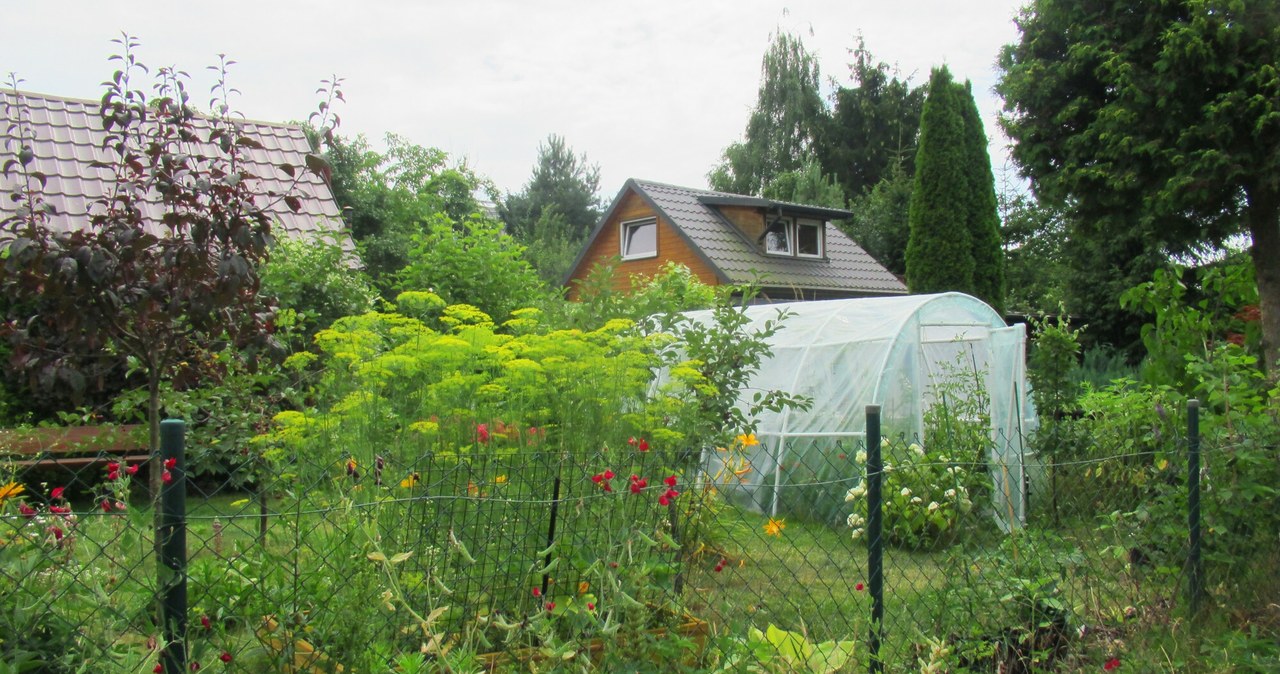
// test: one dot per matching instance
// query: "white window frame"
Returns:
(791, 229)
(788, 235)
(821, 227)
(625, 226)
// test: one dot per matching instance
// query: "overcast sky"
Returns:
(650, 90)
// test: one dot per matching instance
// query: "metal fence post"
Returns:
(1195, 568)
(172, 536)
(875, 544)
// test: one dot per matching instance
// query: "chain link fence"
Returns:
(829, 554)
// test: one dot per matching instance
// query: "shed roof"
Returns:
(846, 266)
(68, 138)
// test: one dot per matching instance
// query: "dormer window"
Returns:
(639, 238)
(794, 237)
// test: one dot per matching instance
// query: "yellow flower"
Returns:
(583, 586)
(774, 527)
(408, 482)
(501, 479)
(9, 491)
(748, 440)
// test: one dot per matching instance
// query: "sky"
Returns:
(651, 90)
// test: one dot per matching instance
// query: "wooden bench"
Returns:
(74, 446)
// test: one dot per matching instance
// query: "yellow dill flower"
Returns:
(9, 491)
(774, 527)
(501, 479)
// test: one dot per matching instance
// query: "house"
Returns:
(66, 137)
(791, 250)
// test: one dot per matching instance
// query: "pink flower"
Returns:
(631, 441)
(121, 506)
(56, 492)
(195, 666)
(57, 533)
(26, 510)
(59, 510)
(482, 432)
(166, 477)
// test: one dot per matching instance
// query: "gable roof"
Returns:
(69, 138)
(692, 212)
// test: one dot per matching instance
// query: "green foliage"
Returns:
(470, 262)
(779, 651)
(939, 253)
(388, 198)
(881, 223)
(979, 203)
(926, 496)
(1035, 256)
(315, 280)
(870, 135)
(1166, 119)
(672, 290)
(1052, 366)
(557, 209)
(783, 126)
(805, 185)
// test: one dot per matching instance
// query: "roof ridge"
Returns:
(98, 102)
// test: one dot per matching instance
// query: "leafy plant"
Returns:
(779, 651)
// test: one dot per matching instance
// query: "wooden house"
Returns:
(792, 251)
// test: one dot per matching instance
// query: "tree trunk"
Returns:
(1264, 226)
(155, 469)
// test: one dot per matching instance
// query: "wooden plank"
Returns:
(72, 440)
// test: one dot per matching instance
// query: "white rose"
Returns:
(933, 505)
(916, 500)
(857, 533)
(906, 491)
(861, 457)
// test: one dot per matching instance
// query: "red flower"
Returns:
(205, 622)
(195, 666)
(643, 446)
(166, 477)
(26, 510)
(613, 565)
(591, 606)
(670, 481)
(170, 463)
(636, 487)
(113, 467)
(597, 478)
(551, 606)
(57, 533)
(121, 506)
(56, 492)
(664, 500)
(113, 475)
(607, 487)
(106, 506)
(225, 657)
(1112, 664)
(632, 441)
(482, 432)
(132, 470)
(608, 474)
(537, 592)
(158, 669)
(720, 564)
(859, 587)
(59, 510)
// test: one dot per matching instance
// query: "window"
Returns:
(639, 239)
(777, 238)
(809, 239)
(794, 238)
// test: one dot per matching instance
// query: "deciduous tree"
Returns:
(1165, 119)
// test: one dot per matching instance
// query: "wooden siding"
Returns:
(671, 248)
(749, 220)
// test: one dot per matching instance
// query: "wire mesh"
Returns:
(389, 555)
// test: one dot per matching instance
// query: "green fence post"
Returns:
(1195, 569)
(875, 544)
(173, 545)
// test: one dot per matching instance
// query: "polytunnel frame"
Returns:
(780, 437)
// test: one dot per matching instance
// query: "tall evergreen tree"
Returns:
(981, 209)
(784, 125)
(557, 209)
(940, 249)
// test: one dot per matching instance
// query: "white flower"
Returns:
(933, 505)
(857, 533)
(916, 500)
(919, 451)
(888, 468)
(950, 493)
(855, 493)
(906, 491)
(855, 520)
(885, 443)
(951, 470)
(861, 456)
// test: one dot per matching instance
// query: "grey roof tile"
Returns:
(69, 137)
(846, 267)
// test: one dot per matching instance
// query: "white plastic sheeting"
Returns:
(894, 352)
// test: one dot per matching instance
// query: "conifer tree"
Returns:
(982, 215)
(940, 250)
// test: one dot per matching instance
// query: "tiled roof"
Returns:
(69, 137)
(847, 266)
